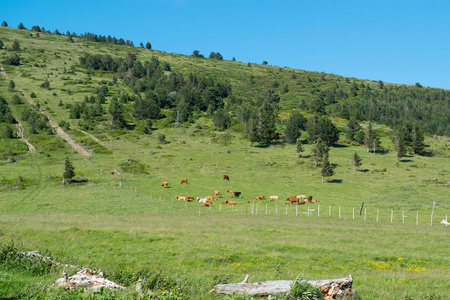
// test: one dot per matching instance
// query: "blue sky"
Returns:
(395, 41)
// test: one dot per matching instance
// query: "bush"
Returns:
(303, 291)
(13, 60)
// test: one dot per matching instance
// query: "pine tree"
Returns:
(417, 139)
(69, 171)
(327, 169)
(399, 145)
(11, 86)
(299, 147)
(356, 161)
(116, 111)
(16, 46)
(319, 150)
(368, 139)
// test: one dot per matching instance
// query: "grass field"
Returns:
(129, 226)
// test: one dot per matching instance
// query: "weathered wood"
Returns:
(87, 278)
(330, 288)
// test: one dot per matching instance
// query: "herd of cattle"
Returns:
(207, 201)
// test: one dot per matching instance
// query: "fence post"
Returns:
(266, 208)
(339, 212)
(365, 213)
(120, 183)
(296, 210)
(256, 211)
(329, 210)
(360, 210)
(392, 214)
(403, 217)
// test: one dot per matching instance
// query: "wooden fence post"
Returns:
(329, 210)
(360, 210)
(365, 213)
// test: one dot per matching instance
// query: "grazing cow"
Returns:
(180, 198)
(274, 197)
(237, 194)
(189, 199)
(231, 202)
(292, 199)
(207, 204)
(260, 201)
(258, 197)
(225, 177)
(302, 202)
(315, 201)
(224, 202)
(164, 184)
(231, 192)
(270, 200)
(309, 198)
(248, 201)
(301, 196)
(217, 193)
(209, 197)
(202, 200)
(184, 180)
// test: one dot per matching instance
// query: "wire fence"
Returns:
(364, 213)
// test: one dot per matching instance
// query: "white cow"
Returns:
(202, 200)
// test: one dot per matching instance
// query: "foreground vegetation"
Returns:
(115, 215)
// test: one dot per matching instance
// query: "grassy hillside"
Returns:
(116, 216)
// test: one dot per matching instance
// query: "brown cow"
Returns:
(225, 177)
(292, 199)
(189, 199)
(207, 204)
(258, 197)
(260, 201)
(184, 180)
(180, 198)
(270, 200)
(309, 198)
(302, 202)
(231, 202)
(164, 183)
(248, 201)
(231, 192)
(224, 202)
(315, 201)
(217, 193)
(209, 197)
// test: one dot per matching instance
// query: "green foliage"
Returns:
(301, 290)
(69, 170)
(133, 166)
(45, 84)
(15, 46)
(13, 60)
(116, 111)
(356, 161)
(8, 132)
(11, 86)
(318, 151)
(1, 44)
(215, 55)
(294, 125)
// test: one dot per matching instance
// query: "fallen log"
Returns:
(331, 288)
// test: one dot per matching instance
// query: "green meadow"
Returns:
(117, 217)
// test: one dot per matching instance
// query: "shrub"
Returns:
(302, 290)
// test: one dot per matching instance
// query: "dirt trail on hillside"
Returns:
(20, 136)
(61, 133)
